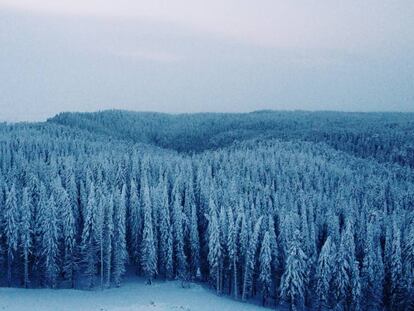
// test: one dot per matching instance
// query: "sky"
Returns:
(192, 56)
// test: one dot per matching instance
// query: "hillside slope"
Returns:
(387, 137)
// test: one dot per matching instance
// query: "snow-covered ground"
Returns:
(133, 295)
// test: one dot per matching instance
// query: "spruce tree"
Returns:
(148, 254)
(265, 261)
(119, 240)
(371, 280)
(26, 234)
(180, 258)
(214, 246)
(89, 245)
(194, 242)
(166, 238)
(396, 268)
(50, 243)
(324, 274)
(294, 278)
(11, 226)
(251, 260)
(108, 234)
(135, 222)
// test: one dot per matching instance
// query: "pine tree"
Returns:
(371, 272)
(40, 217)
(251, 260)
(232, 250)
(68, 227)
(294, 278)
(89, 242)
(166, 239)
(194, 242)
(346, 274)
(214, 246)
(274, 247)
(356, 291)
(11, 225)
(148, 254)
(324, 274)
(26, 233)
(99, 233)
(181, 259)
(108, 234)
(119, 244)
(396, 268)
(50, 243)
(135, 223)
(408, 259)
(265, 267)
(387, 262)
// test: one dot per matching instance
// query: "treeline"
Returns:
(290, 222)
(386, 137)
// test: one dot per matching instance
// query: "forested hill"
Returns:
(310, 210)
(387, 137)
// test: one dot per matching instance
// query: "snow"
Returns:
(133, 295)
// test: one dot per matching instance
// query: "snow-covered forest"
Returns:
(296, 209)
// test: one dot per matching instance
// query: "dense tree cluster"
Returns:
(292, 223)
(386, 137)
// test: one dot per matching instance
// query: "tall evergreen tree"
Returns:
(108, 234)
(396, 268)
(214, 246)
(251, 259)
(294, 278)
(265, 267)
(346, 274)
(166, 238)
(194, 242)
(181, 259)
(324, 274)
(26, 232)
(119, 240)
(371, 279)
(11, 226)
(68, 227)
(148, 254)
(135, 222)
(89, 244)
(50, 243)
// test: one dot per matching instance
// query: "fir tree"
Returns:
(50, 243)
(324, 274)
(89, 242)
(294, 278)
(214, 246)
(265, 267)
(11, 225)
(166, 239)
(119, 240)
(148, 254)
(251, 260)
(396, 268)
(26, 234)
(108, 234)
(135, 222)
(181, 260)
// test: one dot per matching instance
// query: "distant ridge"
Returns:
(351, 132)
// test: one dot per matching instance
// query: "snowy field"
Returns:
(133, 295)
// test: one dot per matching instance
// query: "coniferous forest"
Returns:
(297, 209)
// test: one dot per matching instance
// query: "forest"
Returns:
(305, 210)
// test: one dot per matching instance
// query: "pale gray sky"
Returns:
(216, 55)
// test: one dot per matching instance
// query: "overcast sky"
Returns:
(216, 55)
